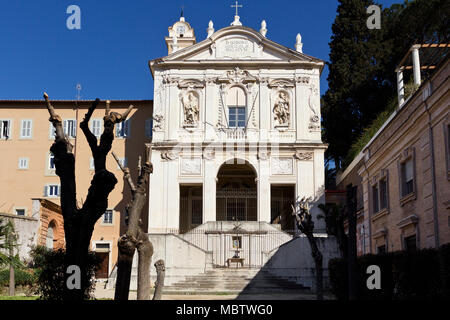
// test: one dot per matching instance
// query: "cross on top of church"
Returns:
(237, 6)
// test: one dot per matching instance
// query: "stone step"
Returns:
(234, 281)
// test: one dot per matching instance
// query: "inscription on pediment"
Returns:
(236, 47)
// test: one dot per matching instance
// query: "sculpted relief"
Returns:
(191, 109)
(281, 113)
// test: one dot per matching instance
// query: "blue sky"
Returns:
(109, 55)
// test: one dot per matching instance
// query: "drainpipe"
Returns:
(433, 171)
(368, 207)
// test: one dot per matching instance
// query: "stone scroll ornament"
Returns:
(281, 109)
(191, 109)
(314, 124)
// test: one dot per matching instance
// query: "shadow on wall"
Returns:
(134, 148)
(290, 268)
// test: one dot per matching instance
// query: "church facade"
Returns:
(236, 140)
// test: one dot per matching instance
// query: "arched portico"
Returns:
(236, 191)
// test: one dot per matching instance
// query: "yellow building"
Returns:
(27, 169)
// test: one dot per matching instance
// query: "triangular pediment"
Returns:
(237, 43)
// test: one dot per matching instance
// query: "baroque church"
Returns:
(236, 140)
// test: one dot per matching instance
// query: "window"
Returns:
(236, 102)
(70, 128)
(108, 217)
(236, 117)
(52, 190)
(148, 128)
(23, 163)
(381, 249)
(123, 162)
(376, 206)
(51, 132)
(383, 194)
(410, 243)
(123, 129)
(5, 129)
(50, 237)
(20, 212)
(407, 177)
(96, 127)
(51, 161)
(26, 129)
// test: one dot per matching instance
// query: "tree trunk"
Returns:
(12, 280)
(135, 238)
(145, 252)
(79, 222)
(306, 225)
(317, 256)
(159, 284)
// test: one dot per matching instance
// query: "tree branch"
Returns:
(126, 173)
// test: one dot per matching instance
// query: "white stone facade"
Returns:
(195, 132)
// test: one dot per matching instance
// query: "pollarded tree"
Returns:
(135, 237)
(79, 221)
(305, 224)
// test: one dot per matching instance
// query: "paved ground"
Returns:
(101, 293)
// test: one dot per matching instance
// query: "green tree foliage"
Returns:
(8, 241)
(50, 270)
(362, 78)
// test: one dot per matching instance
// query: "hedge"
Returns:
(424, 274)
(21, 277)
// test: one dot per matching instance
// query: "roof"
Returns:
(180, 56)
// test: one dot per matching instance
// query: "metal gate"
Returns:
(236, 204)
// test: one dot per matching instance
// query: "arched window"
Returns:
(236, 102)
(50, 236)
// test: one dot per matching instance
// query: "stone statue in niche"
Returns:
(191, 109)
(281, 109)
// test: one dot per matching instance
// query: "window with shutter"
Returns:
(123, 129)
(96, 127)
(407, 174)
(23, 163)
(25, 130)
(5, 129)
(70, 127)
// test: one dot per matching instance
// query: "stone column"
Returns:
(156, 221)
(210, 109)
(209, 191)
(301, 109)
(174, 110)
(416, 64)
(264, 190)
(172, 193)
(265, 110)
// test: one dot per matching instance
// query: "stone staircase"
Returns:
(234, 281)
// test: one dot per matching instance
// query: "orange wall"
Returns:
(17, 186)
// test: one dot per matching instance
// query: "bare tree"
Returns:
(135, 237)
(306, 225)
(79, 221)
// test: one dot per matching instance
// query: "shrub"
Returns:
(50, 270)
(21, 277)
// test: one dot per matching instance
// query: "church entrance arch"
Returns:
(236, 195)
